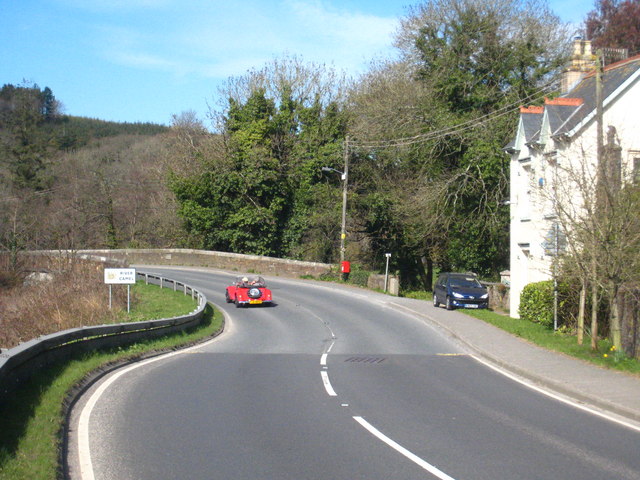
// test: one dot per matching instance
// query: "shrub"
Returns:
(358, 276)
(536, 303)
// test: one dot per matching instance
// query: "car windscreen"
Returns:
(250, 281)
(465, 282)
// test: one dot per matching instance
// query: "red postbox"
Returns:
(345, 267)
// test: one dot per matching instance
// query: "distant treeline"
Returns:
(26, 110)
(33, 131)
(78, 131)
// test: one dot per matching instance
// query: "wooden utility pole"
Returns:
(599, 180)
(599, 110)
(345, 179)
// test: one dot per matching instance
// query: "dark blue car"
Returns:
(461, 290)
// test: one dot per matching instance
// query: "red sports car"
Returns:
(249, 290)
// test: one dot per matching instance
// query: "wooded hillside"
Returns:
(70, 182)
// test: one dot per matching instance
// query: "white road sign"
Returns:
(122, 276)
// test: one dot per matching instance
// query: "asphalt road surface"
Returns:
(333, 383)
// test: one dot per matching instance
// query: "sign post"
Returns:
(120, 276)
(386, 272)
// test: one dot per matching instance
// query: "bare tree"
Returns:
(598, 215)
(305, 83)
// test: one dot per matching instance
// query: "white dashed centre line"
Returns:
(327, 384)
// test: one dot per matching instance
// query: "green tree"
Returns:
(25, 146)
(450, 105)
(279, 126)
(49, 105)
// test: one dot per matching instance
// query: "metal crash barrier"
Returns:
(19, 363)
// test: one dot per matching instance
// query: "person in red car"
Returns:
(248, 290)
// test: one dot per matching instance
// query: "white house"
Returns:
(555, 144)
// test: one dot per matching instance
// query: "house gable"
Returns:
(559, 136)
(618, 78)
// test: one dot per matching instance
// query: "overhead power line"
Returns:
(454, 129)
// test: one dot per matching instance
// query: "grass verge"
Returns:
(151, 302)
(31, 420)
(605, 356)
(540, 335)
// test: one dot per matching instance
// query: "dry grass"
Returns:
(76, 296)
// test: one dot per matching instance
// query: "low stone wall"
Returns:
(498, 296)
(376, 282)
(206, 258)
(498, 292)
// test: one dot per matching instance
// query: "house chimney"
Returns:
(582, 62)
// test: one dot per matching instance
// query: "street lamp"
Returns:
(345, 178)
(329, 169)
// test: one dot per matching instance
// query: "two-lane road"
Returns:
(333, 383)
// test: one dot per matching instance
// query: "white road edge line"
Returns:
(400, 449)
(527, 383)
(84, 452)
(327, 384)
(567, 401)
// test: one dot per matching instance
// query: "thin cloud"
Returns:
(145, 61)
(354, 28)
(229, 39)
(343, 38)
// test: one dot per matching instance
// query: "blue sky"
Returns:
(144, 60)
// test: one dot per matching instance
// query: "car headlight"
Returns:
(458, 295)
(486, 295)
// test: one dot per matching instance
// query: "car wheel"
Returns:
(449, 305)
(228, 298)
(238, 304)
(435, 301)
